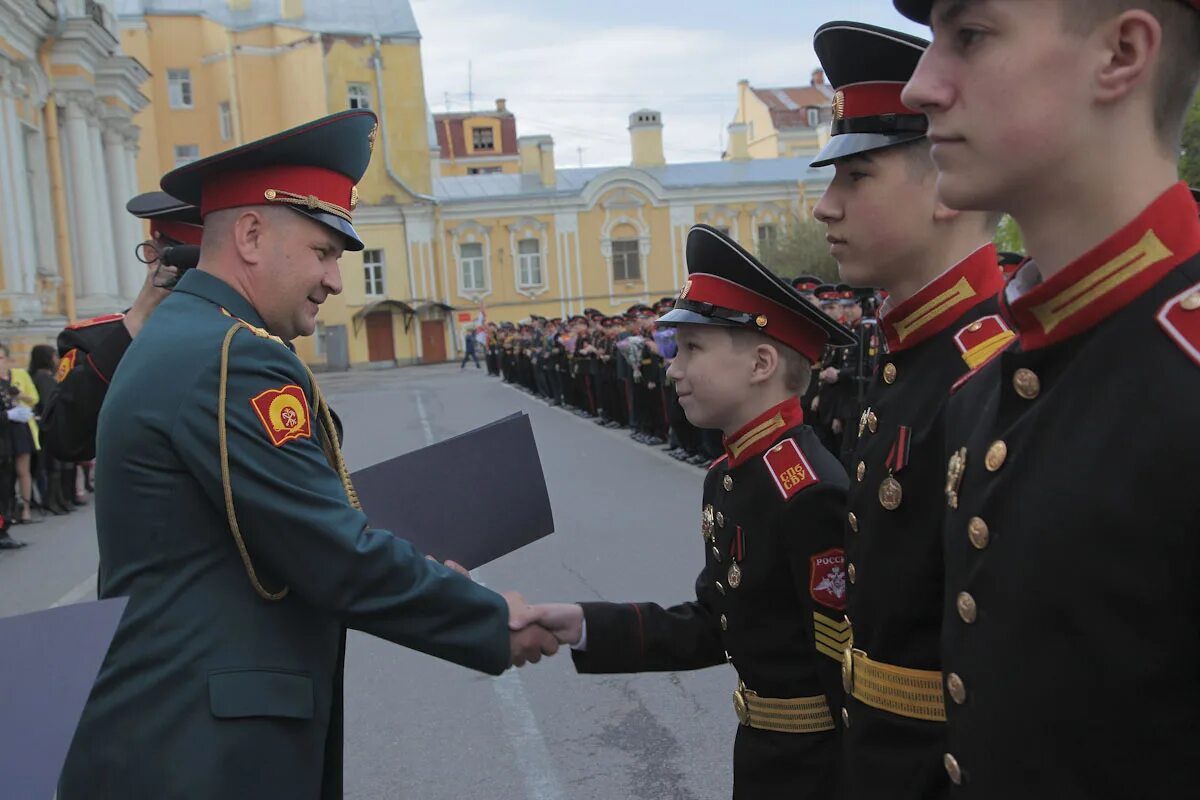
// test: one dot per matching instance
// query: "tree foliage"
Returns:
(1008, 236)
(1189, 157)
(800, 249)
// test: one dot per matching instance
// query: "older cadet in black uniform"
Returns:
(939, 321)
(1072, 535)
(89, 351)
(770, 596)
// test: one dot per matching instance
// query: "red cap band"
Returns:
(771, 318)
(250, 187)
(870, 100)
(182, 232)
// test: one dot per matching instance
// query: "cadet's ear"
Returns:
(248, 235)
(766, 363)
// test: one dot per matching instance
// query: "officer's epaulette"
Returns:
(1180, 318)
(101, 320)
(257, 331)
(983, 339)
(789, 468)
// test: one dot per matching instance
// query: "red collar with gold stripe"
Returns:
(1111, 275)
(760, 433)
(933, 309)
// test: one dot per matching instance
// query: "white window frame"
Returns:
(530, 268)
(767, 233)
(373, 273)
(319, 341)
(814, 117)
(225, 120)
(358, 95)
(472, 267)
(186, 158)
(179, 88)
(624, 256)
(491, 132)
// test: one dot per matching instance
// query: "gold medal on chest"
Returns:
(706, 522)
(890, 493)
(734, 576)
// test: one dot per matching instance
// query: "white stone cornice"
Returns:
(25, 25)
(121, 77)
(83, 43)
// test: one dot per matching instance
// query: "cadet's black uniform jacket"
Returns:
(893, 529)
(89, 352)
(1073, 530)
(771, 595)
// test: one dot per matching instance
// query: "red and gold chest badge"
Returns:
(982, 339)
(66, 364)
(789, 468)
(827, 578)
(1180, 318)
(283, 413)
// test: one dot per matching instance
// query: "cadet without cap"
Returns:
(312, 169)
(918, 10)
(868, 66)
(727, 286)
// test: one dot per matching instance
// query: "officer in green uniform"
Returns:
(227, 516)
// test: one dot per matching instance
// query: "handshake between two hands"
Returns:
(536, 630)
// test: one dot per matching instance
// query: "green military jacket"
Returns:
(210, 690)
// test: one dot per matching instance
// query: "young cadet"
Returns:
(1072, 555)
(888, 229)
(771, 595)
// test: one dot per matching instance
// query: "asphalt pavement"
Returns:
(627, 528)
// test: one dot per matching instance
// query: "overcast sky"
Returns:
(576, 70)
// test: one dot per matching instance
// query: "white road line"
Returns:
(524, 735)
(86, 590)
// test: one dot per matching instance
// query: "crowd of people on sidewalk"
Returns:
(32, 483)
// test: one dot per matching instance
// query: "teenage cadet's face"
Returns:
(711, 374)
(879, 213)
(852, 314)
(301, 271)
(1007, 91)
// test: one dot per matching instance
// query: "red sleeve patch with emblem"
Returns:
(283, 413)
(1180, 318)
(789, 468)
(66, 364)
(827, 579)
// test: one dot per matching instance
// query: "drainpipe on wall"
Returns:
(377, 63)
(62, 241)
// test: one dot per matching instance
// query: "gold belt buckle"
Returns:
(848, 668)
(740, 706)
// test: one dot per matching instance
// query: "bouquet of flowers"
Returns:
(632, 348)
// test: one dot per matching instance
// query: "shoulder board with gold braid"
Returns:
(983, 339)
(1180, 318)
(789, 468)
(257, 331)
(101, 320)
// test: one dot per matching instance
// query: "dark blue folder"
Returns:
(471, 498)
(49, 664)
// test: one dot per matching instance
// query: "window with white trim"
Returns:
(470, 256)
(483, 139)
(814, 117)
(186, 154)
(529, 251)
(767, 236)
(319, 341)
(627, 261)
(373, 272)
(179, 88)
(358, 95)
(225, 116)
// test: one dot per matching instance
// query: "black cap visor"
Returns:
(856, 144)
(353, 242)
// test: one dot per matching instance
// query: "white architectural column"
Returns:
(106, 246)
(10, 238)
(137, 229)
(130, 272)
(43, 209)
(20, 196)
(89, 268)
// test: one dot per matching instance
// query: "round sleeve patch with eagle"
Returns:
(284, 414)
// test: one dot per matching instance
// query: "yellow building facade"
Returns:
(453, 217)
(787, 122)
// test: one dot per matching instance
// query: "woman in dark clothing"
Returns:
(47, 475)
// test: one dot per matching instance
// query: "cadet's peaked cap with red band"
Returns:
(727, 286)
(868, 66)
(311, 169)
(170, 218)
(919, 10)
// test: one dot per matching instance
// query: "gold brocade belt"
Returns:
(791, 715)
(912, 693)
